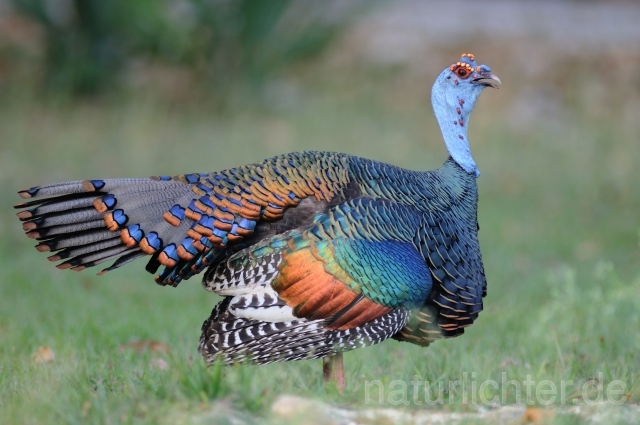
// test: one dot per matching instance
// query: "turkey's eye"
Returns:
(461, 69)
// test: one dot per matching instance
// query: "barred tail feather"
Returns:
(56, 189)
(370, 333)
(88, 222)
(234, 339)
(237, 340)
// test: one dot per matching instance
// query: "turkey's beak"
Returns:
(487, 79)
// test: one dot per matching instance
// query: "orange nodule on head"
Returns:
(462, 69)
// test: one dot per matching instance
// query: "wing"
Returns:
(349, 279)
(184, 222)
(357, 276)
(353, 264)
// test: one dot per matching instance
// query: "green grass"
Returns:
(560, 235)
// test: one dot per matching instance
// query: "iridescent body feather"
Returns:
(314, 252)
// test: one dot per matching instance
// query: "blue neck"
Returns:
(453, 118)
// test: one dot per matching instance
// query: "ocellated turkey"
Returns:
(314, 253)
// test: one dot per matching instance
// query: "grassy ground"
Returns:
(560, 235)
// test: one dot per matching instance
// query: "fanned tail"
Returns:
(87, 222)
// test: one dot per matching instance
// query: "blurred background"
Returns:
(94, 89)
(142, 87)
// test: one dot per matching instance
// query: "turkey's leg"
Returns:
(333, 369)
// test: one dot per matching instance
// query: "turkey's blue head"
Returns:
(454, 95)
(464, 79)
